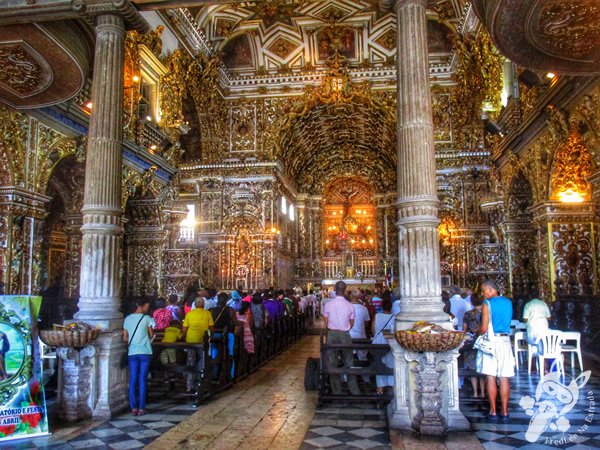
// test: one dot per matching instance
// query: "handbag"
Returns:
(125, 356)
(485, 342)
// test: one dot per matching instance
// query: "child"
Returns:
(173, 333)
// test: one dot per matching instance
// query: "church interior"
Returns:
(151, 145)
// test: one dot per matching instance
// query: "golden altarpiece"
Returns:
(260, 150)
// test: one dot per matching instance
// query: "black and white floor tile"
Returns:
(122, 432)
(340, 426)
(580, 425)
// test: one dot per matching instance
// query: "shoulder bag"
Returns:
(125, 357)
(485, 342)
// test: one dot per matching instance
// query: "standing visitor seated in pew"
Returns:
(196, 323)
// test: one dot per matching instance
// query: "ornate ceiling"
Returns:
(339, 139)
(555, 35)
(267, 44)
(42, 64)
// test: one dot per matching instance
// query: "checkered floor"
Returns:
(580, 426)
(122, 432)
(339, 426)
(363, 426)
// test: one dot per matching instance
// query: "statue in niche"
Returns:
(349, 264)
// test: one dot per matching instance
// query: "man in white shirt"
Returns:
(458, 306)
(536, 315)
(361, 315)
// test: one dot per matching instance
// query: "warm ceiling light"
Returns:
(273, 230)
(89, 105)
(335, 213)
(570, 196)
(149, 119)
(370, 241)
(135, 78)
(327, 241)
(550, 75)
(369, 228)
(363, 241)
(153, 147)
(358, 211)
(352, 241)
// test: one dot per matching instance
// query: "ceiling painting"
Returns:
(237, 53)
(340, 40)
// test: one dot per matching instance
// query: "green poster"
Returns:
(22, 402)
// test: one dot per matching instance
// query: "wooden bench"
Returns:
(372, 366)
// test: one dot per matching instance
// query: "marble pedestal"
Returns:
(425, 392)
(112, 395)
(91, 382)
(76, 390)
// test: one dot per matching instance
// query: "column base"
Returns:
(112, 395)
(425, 392)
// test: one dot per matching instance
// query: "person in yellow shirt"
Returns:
(197, 322)
(195, 325)
(173, 333)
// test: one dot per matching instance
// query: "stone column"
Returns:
(100, 283)
(419, 260)
(100, 280)
(422, 401)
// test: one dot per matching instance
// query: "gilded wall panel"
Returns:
(573, 246)
(243, 128)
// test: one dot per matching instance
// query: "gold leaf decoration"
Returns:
(478, 79)
(572, 167)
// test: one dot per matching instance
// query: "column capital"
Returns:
(388, 5)
(92, 10)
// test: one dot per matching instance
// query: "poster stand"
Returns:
(23, 412)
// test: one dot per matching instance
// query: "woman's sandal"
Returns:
(141, 412)
(135, 412)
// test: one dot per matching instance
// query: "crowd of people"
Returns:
(200, 313)
(347, 314)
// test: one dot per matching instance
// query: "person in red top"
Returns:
(162, 316)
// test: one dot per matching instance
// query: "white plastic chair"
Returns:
(551, 349)
(572, 348)
(520, 346)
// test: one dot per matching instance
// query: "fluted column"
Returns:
(100, 283)
(419, 260)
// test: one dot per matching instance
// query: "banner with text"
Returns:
(22, 403)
